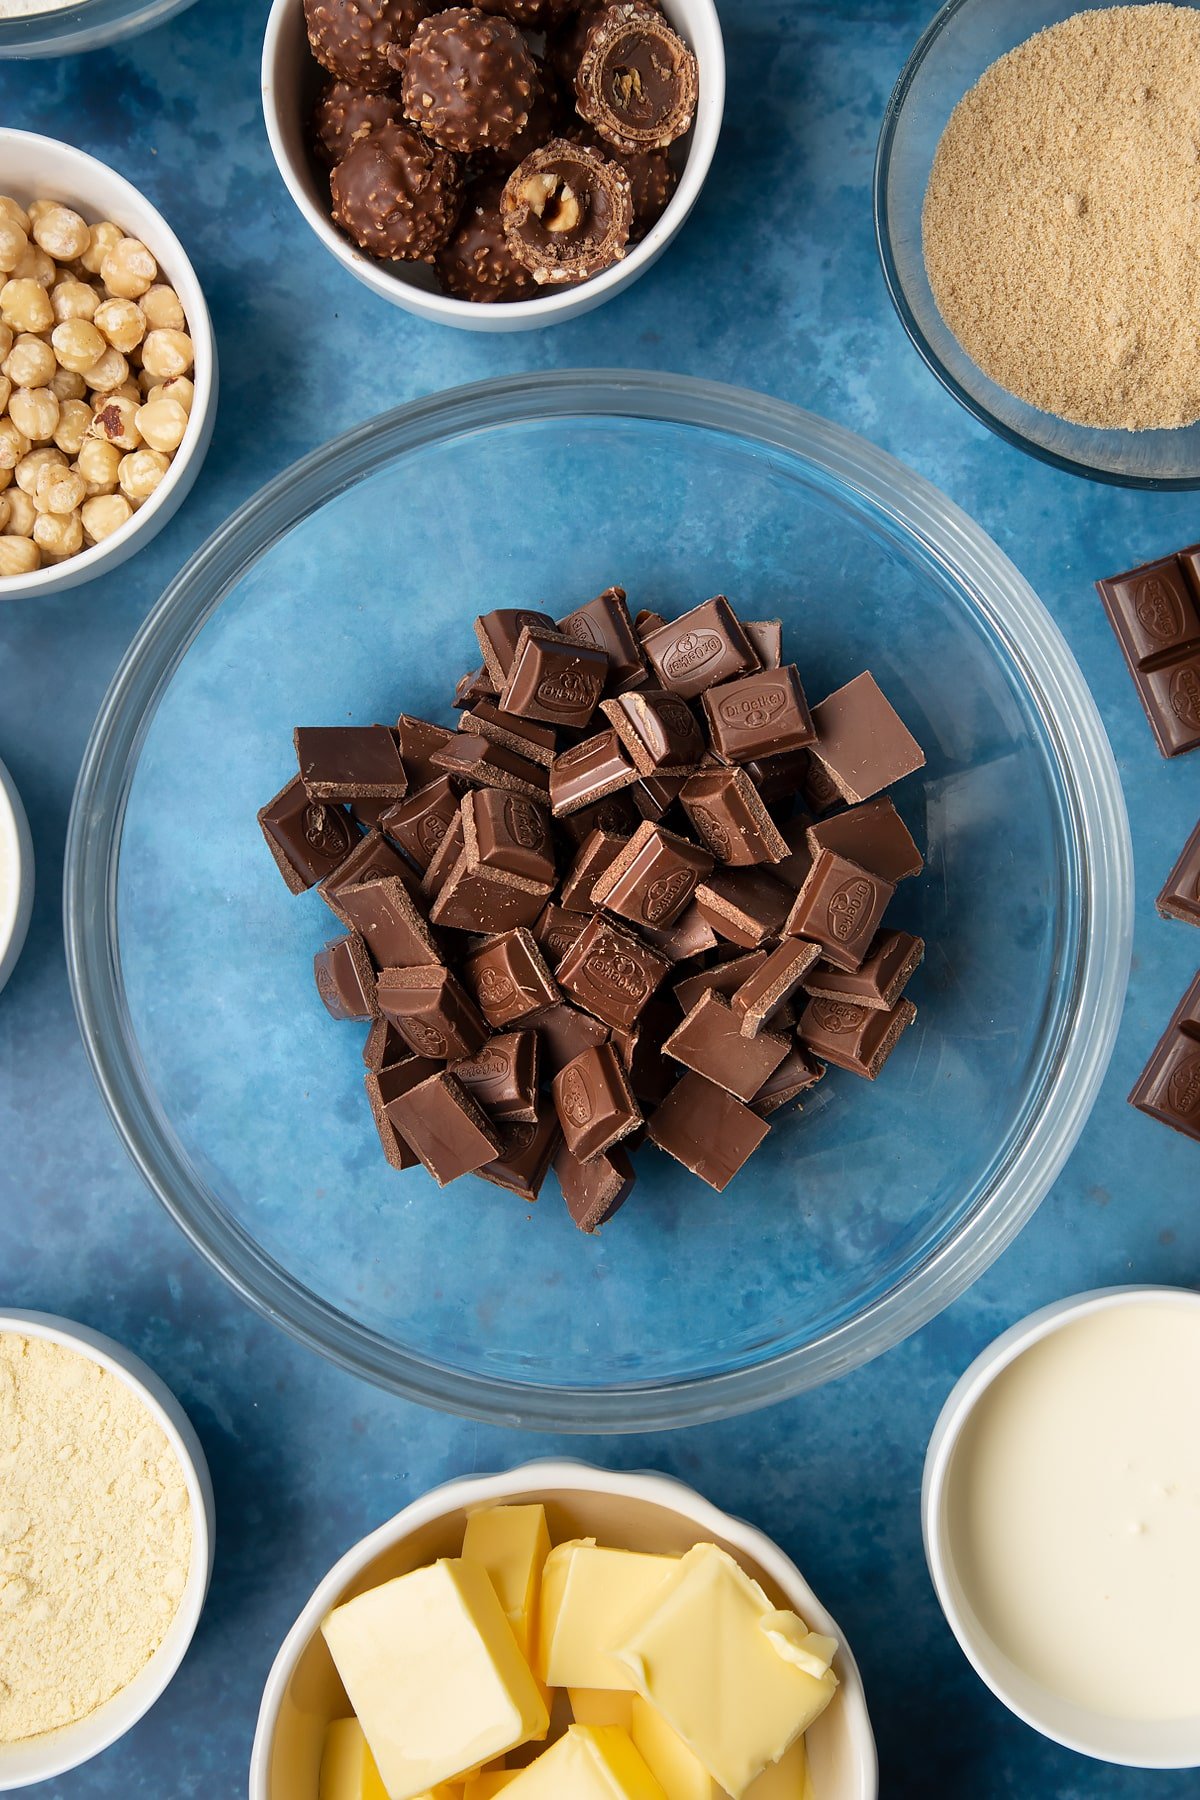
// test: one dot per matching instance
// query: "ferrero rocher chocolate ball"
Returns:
(477, 263)
(637, 80)
(567, 212)
(653, 178)
(343, 114)
(530, 15)
(470, 80)
(396, 194)
(351, 38)
(550, 113)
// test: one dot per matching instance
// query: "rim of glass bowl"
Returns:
(895, 287)
(1094, 813)
(83, 27)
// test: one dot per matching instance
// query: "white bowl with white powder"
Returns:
(134, 1480)
(16, 875)
(60, 27)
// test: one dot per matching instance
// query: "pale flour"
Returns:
(1062, 219)
(95, 1536)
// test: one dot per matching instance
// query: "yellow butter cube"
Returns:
(601, 1706)
(589, 1595)
(590, 1762)
(434, 1674)
(488, 1782)
(701, 1656)
(511, 1543)
(348, 1769)
(678, 1771)
(787, 1779)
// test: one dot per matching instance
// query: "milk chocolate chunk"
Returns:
(345, 979)
(655, 795)
(890, 962)
(872, 835)
(640, 1047)
(391, 923)
(475, 685)
(396, 194)
(555, 680)
(658, 730)
(565, 1033)
(706, 1129)
(863, 744)
(596, 1189)
(727, 814)
(469, 80)
(710, 1041)
(604, 624)
(558, 930)
(351, 38)
(449, 1131)
(522, 736)
(594, 1104)
(767, 988)
(610, 972)
(653, 877)
(499, 633)
(475, 898)
(509, 836)
(1169, 1086)
(526, 1152)
(431, 1011)
(419, 740)
(1180, 897)
(705, 646)
(763, 714)
(420, 822)
(509, 978)
(839, 907)
(615, 814)
(746, 906)
(389, 1083)
(444, 859)
(307, 838)
(723, 978)
(567, 212)
(350, 762)
(637, 81)
(690, 936)
(372, 859)
(795, 1075)
(766, 635)
(383, 1045)
(477, 763)
(592, 858)
(1155, 613)
(588, 773)
(503, 1077)
(853, 1036)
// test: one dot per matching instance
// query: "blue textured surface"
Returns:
(306, 1459)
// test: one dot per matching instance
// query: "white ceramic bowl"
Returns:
(16, 875)
(1169, 1744)
(43, 1758)
(291, 79)
(42, 168)
(651, 1512)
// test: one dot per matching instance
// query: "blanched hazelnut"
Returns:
(116, 422)
(141, 472)
(58, 535)
(65, 384)
(103, 515)
(10, 209)
(123, 324)
(107, 373)
(104, 237)
(78, 345)
(59, 490)
(19, 556)
(59, 231)
(30, 362)
(21, 512)
(73, 299)
(13, 242)
(177, 387)
(74, 417)
(25, 305)
(34, 411)
(162, 424)
(167, 353)
(35, 265)
(32, 464)
(163, 309)
(128, 269)
(13, 445)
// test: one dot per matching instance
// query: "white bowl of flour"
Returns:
(106, 1543)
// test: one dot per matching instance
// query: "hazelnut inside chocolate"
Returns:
(567, 212)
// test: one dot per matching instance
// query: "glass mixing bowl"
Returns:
(962, 41)
(346, 591)
(85, 25)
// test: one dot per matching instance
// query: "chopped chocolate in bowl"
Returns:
(567, 212)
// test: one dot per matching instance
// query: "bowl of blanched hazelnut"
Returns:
(108, 378)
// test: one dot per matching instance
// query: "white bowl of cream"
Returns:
(1061, 1514)
(16, 875)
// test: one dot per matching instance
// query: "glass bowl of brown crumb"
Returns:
(1032, 208)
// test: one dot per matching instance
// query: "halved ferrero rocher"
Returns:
(567, 212)
(637, 81)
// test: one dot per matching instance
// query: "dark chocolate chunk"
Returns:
(419, 742)
(637, 81)
(795, 1075)
(350, 762)
(476, 263)
(397, 195)
(653, 877)
(554, 680)
(1155, 613)
(596, 1189)
(431, 1011)
(372, 859)
(863, 744)
(728, 815)
(593, 857)
(595, 1106)
(872, 835)
(588, 773)
(747, 906)
(391, 923)
(469, 80)
(522, 736)
(655, 795)
(705, 646)
(308, 839)
(767, 988)
(706, 1129)
(565, 1033)
(763, 714)
(640, 1047)
(344, 113)
(503, 1077)
(1169, 1086)
(449, 1131)
(420, 822)
(345, 979)
(509, 836)
(499, 633)
(351, 38)
(852, 1036)
(480, 764)
(615, 814)
(604, 624)
(526, 1152)
(509, 978)
(611, 972)
(839, 907)
(658, 730)
(567, 212)
(710, 1041)
(885, 973)
(1180, 897)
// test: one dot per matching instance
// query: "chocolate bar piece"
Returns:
(596, 1189)
(480, 764)
(444, 859)
(763, 714)
(588, 773)
(744, 905)
(386, 1085)
(610, 972)
(710, 1041)
(431, 1012)
(872, 835)
(558, 931)
(392, 926)
(565, 1033)
(485, 901)
(706, 1129)
(885, 973)
(690, 936)
(509, 978)
(640, 1047)
(863, 744)
(508, 836)
(419, 743)
(699, 649)
(645, 622)
(345, 979)
(793, 868)
(475, 685)
(653, 877)
(604, 624)
(852, 1036)
(522, 736)
(1155, 613)
(1180, 897)
(420, 822)
(555, 680)
(728, 815)
(350, 762)
(767, 988)
(766, 637)
(372, 859)
(307, 838)
(839, 907)
(723, 978)
(503, 1077)
(449, 1131)
(795, 1075)
(615, 814)
(383, 1045)
(595, 1106)
(526, 1152)
(592, 858)
(657, 729)
(654, 795)
(1169, 1086)
(499, 634)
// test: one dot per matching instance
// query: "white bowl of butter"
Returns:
(16, 875)
(652, 1515)
(106, 1543)
(1061, 1512)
